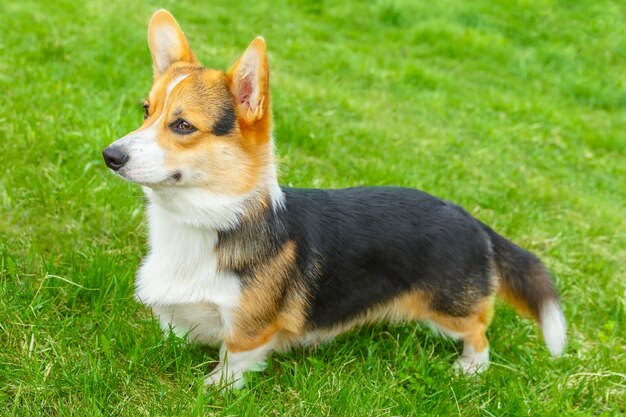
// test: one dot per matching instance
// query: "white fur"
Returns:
(165, 40)
(197, 207)
(147, 159)
(173, 84)
(444, 331)
(180, 279)
(553, 327)
(472, 362)
(277, 197)
(201, 208)
(229, 372)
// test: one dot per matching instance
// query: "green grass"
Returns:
(514, 109)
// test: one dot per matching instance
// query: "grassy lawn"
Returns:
(514, 109)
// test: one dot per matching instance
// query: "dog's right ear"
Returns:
(249, 83)
(168, 44)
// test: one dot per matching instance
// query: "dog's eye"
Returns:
(146, 110)
(182, 127)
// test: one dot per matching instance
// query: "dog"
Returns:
(237, 260)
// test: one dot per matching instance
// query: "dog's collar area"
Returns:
(198, 207)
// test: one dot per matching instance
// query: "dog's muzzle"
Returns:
(114, 157)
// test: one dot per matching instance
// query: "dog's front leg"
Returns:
(240, 354)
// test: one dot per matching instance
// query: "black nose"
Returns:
(114, 157)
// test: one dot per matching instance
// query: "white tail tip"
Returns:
(553, 327)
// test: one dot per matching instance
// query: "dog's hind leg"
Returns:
(471, 330)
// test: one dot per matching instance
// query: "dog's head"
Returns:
(202, 127)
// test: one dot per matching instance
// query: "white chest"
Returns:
(181, 281)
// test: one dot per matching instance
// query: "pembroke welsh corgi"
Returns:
(237, 260)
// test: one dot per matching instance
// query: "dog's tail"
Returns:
(525, 283)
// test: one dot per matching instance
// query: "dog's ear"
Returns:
(168, 44)
(249, 83)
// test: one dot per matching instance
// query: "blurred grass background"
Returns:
(514, 109)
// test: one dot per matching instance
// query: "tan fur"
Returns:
(542, 286)
(260, 299)
(518, 303)
(471, 328)
(243, 340)
(263, 309)
(413, 305)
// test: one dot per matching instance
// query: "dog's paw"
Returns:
(470, 366)
(224, 379)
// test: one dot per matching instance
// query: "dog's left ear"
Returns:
(249, 83)
(168, 44)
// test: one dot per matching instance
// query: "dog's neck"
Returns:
(207, 210)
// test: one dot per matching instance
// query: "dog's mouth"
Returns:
(172, 179)
(176, 176)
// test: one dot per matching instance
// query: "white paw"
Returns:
(470, 366)
(225, 379)
(472, 362)
(228, 374)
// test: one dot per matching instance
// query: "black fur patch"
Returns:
(226, 122)
(359, 247)
(522, 273)
(371, 244)
(252, 243)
